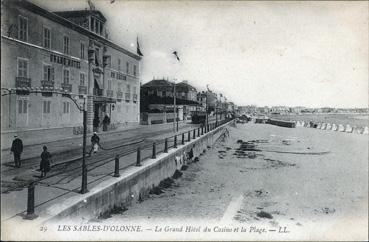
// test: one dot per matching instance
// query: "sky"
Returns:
(312, 54)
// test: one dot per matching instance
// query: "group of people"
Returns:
(45, 164)
(105, 122)
(17, 149)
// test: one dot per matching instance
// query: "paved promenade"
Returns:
(64, 179)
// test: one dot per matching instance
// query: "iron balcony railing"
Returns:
(66, 87)
(45, 84)
(82, 89)
(119, 94)
(109, 93)
(127, 96)
(22, 82)
(98, 92)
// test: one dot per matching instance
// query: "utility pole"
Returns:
(84, 167)
(175, 107)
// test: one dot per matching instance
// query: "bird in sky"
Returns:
(176, 55)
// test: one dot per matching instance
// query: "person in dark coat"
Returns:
(45, 162)
(95, 143)
(17, 149)
(106, 122)
(96, 123)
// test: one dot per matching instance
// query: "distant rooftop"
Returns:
(80, 13)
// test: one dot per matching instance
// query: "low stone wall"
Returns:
(282, 123)
(134, 183)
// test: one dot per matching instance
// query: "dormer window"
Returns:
(96, 26)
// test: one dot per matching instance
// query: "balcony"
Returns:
(127, 96)
(82, 89)
(66, 87)
(109, 93)
(22, 82)
(119, 94)
(134, 98)
(49, 85)
(98, 92)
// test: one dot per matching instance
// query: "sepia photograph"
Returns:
(139, 120)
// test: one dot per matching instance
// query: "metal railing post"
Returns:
(116, 169)
(31, 203)
(202, 130)
(194, 134)
(189, 136)
(198, 132)
(183, 139)
(153, 151)
(138, 162)
(166, 145)
(175, 141)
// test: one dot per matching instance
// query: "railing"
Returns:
(98, 92)
(22, 82)
(66, 87)
(82, 89)
(119, 94)
(127, 96)
(143, 150)
(47, 84)
(109, 93)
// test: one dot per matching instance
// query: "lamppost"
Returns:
(175, 120)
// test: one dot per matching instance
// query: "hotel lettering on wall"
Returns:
(65, 61)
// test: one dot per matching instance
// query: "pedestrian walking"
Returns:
(95, 143)
(45, 162)
(17, 149)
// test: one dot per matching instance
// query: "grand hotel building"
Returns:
(47, 57)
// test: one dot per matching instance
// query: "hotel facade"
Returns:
(53, 61)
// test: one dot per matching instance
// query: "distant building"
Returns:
(67, 52)
(157, 96)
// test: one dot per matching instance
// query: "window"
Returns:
(127, 67)
(66, 107)
(119, 68)
(66, 76)
(82, 50)
(97, 56)
(82, 79)
(48, 73)
(109, 84)
(119, 86)
(22, 28)
(22, 106)
(47, 38)
(135, 90)
(22, 68)
(134, 70)
(92, 25)
(66, 45)
(128, 88)
(46, 106)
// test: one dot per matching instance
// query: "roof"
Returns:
(158, 82)
(185, 84)
(80, 13)
(69, 24)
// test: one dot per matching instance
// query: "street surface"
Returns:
(300, 184)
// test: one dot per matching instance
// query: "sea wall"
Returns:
(135, 182)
